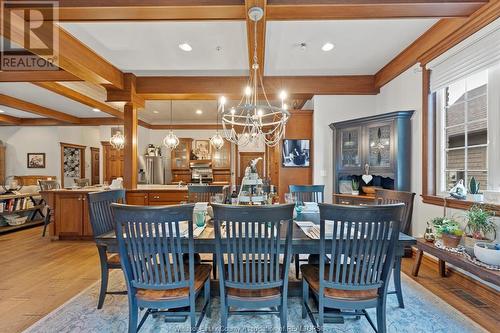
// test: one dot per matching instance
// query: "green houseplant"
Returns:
(355, 186)
(449, 230)
(480, 226)
(474, 194)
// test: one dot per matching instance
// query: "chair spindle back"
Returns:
(387, 197)
(308, 193)
(203, 193)
(100, 213)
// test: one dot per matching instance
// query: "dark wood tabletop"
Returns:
(205, 242)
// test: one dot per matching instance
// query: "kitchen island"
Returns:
(70, 214)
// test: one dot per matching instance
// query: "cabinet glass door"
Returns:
(350, 152)
(221, 158)
(379, 146)
(181, 155)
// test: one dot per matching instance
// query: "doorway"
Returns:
(72, 163)
(113, 162)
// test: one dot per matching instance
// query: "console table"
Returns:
(455, 259)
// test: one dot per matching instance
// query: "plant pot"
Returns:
(487, 253)
(355, 192)
(451, 240)
(471, 241)
(475, 197)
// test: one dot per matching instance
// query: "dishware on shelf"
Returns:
(487, 253)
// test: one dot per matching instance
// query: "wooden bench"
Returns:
(455, 259)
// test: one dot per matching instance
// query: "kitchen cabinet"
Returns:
(379, 145)
(137, 198)
(181, 154)
(221, 158)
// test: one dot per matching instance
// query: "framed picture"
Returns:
(202, 149)
(36, 160)
(295, 153)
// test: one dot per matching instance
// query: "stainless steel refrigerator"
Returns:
(156, 169)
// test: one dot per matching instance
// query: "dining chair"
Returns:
(151, 254)
(384, 197)
(203, 193)
(360, 241)
(251, 240)
(46, 185)
(101, 220)
(306, 193)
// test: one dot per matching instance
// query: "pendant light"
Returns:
(171, 141)
(117, 141)
(217, 141)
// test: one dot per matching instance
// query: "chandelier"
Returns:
(217, 141)
(117, 141)
(171, 141)
(250, 121)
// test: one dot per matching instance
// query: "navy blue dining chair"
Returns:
(151, 253)
(101, 220)
(252, 238)
(361, 243)
(306, 193)
(385, 197)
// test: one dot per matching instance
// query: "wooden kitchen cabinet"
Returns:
(71, 218)
(221, 159)
(181, 154)
(167, 198)
(137, 198)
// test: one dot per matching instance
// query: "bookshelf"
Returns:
(20, 206)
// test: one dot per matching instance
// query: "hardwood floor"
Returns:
(38, 275)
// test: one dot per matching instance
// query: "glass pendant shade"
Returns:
(117, 141)
(171, 141)
(217, 141)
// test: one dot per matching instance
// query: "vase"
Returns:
(355, 192)
(475, 197)
(450, 240)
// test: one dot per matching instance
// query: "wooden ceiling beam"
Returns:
(94, 121)
(126, 95)
(80, 98)
(9, 120)
(37, 109)
(409, 56)
(344, 10)
(72, 55)
(212, 87)
(37, 76)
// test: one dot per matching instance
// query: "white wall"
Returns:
(327, 110)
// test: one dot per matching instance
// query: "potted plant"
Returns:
(355, 187)
(450, 232)
(479, 226)
(474, 194)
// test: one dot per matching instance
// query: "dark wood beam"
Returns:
(128, 94)
(409, 56)
(37, 109)
(184, 126)
(478, 20)
(79, 97)
(94, 121)
(130, 150)
(260, 37)
(72, 56)
(212, 87)
(37, 76)
(9, 120)
(343, 10)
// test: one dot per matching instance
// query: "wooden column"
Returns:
(130, 150)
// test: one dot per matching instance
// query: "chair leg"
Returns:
(381, 318)
(133, 313)
(104, 277)
(284, 314)
(223, 318)
(214, 266)
(397, 282)
(207, 298)
(305, 297)
(297, 266)
(46, 221)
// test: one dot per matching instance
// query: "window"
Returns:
(464, 131)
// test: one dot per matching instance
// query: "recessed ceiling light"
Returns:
(185, 47)
(327, 47)
(199, 112)
(155, 111)
(96, 110)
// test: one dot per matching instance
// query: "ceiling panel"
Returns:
(40, 96)
(360, 46)
(16, 113)
(151, 48)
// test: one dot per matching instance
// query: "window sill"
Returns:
(457, 204)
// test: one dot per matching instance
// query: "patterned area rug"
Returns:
(424, 312)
